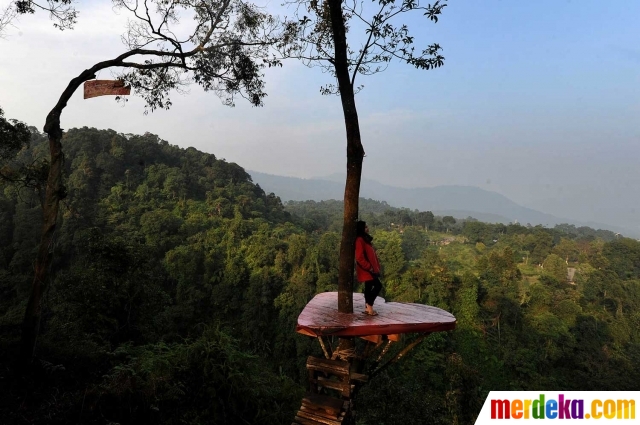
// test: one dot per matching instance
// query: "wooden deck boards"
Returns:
(321, 318)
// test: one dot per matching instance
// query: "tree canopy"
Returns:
(177, 283)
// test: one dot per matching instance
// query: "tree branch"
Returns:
(364, 51)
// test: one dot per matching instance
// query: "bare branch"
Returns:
(7, 16)
(366, 47)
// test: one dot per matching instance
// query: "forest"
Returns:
(177, 282)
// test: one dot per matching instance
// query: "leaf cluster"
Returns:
(16, 163)
(224, 50)
(62, 12)
(386, 37)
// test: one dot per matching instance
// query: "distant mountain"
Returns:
(457, 201)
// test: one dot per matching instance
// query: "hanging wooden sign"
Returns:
(94, 88)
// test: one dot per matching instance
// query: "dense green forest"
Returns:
(177, 283)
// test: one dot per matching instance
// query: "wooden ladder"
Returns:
(327, 375)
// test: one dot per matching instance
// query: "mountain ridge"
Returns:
(456, 200)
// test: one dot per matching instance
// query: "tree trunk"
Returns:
(54, 193)
(355, 154)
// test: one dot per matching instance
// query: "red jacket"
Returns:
(366, 260)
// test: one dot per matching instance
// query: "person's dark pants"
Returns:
(371, 290)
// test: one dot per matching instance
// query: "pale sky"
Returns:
(537, 100)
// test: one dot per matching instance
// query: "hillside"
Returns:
(177, 283)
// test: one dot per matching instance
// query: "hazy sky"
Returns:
(538, 100)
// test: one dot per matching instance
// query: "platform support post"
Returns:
(327, 355)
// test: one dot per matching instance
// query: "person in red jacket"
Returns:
(367, 267)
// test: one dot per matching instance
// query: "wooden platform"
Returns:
(321, 318)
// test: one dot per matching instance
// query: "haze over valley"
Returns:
(457, 201)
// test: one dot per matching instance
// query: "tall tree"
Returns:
(324, 42)
(555, 267)
(228, 45)
(448, 221)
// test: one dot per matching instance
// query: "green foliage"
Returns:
(623, 256)
(539, 244)
(476, 231)
(207, 380)
(467, 309)
(499, 268)
(567, 249)
(111, 294)
(414, 241)
(160, 248)
(555, 267)
(14, 136)
(390, 253)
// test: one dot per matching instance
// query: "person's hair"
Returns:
(360, 226)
